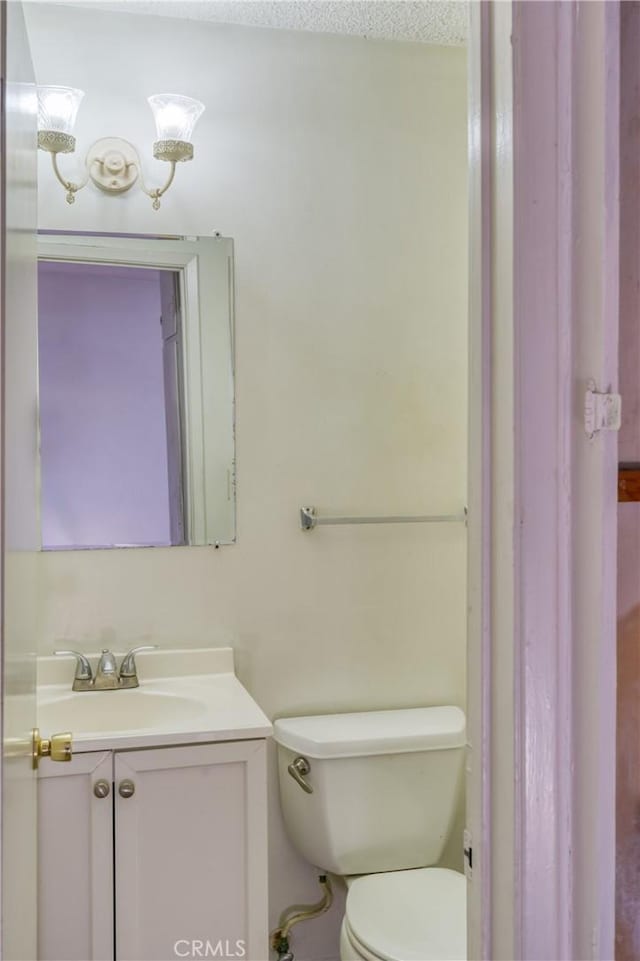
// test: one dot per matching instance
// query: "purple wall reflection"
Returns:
(102, 416)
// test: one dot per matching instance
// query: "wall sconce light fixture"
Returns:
(113, 164)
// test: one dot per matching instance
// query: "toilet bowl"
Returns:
(371, 797)
(417, 915)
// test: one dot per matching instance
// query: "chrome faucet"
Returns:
(107, 676)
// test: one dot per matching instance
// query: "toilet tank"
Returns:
(384, 786)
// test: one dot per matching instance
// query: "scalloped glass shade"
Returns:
(58, 108)
(175, 116)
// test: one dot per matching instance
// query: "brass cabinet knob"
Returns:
(101, 788)
(127, 789)
(59, 747)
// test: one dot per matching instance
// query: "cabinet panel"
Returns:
(75, 860)
(191, 859)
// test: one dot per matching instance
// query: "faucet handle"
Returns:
(83, 667)
(128, 665)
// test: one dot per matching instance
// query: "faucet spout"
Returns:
(106, 677)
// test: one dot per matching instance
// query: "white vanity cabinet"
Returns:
(75, 859)
(171, 863)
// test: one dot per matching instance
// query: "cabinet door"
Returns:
(75, 860)
(191, 853)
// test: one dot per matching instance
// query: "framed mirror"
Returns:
(136, 395)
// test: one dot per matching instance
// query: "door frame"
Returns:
(544, 96)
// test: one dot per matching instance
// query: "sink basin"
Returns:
(186, 696)
(137, 710)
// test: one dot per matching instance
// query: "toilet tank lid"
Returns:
(373, 732)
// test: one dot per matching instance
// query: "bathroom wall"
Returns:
(103, 434)
(338, 165)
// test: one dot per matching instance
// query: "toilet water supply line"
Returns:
(280, 937)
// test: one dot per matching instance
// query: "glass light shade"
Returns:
(58, 108)
(175, 116)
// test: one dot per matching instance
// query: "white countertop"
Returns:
(185, 697)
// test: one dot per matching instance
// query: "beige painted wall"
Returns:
(338, 165)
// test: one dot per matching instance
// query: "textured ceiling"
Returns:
(425, 21)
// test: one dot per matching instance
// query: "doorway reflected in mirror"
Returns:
(111, 457)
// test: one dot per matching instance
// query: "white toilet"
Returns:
(371, 797)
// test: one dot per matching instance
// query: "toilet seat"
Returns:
(414, 915)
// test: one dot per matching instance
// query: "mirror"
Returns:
(135, 343)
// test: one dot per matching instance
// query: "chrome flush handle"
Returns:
(298, 769)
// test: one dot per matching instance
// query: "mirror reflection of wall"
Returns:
(110, 451)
